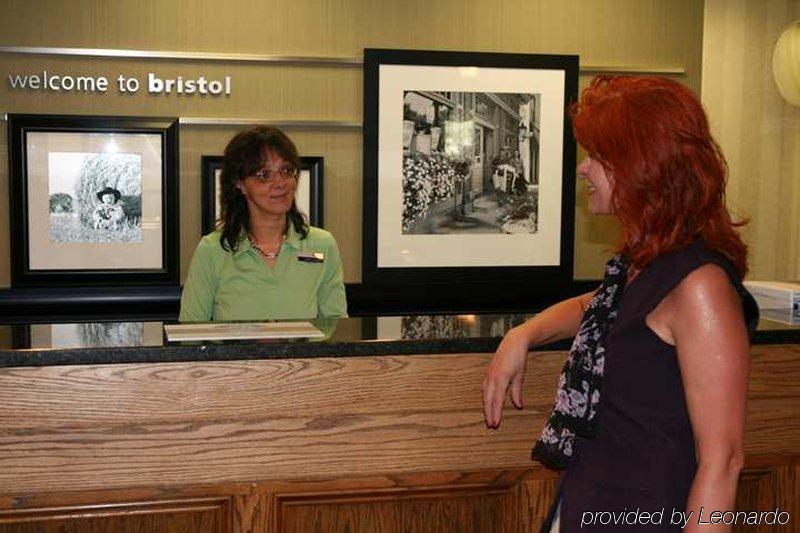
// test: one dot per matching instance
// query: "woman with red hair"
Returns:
(650, 406)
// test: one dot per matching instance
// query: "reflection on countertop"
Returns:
(129, 342)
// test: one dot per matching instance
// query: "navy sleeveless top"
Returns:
(643, 454)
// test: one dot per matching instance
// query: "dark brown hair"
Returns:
(245, 155)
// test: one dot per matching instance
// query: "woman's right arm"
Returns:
(197, 298)
(559, 321)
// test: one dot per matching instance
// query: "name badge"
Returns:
(311, 257)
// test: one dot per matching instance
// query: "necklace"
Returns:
(264, 253)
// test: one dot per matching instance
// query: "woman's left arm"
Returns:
(707, 324)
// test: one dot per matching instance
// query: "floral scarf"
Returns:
(579, 386)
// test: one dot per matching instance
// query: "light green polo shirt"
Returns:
(222, 286)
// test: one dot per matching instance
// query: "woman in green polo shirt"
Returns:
(264, 261)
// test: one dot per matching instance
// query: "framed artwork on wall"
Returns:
(308, 195)
(469, 165)
(94, 200)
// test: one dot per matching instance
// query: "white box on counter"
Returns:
(775, 294)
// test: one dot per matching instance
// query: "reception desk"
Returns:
(106, 427)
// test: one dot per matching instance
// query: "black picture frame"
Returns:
(420, 283)
(210, 165)
(41, 149)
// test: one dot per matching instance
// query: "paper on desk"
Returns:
(241, 330)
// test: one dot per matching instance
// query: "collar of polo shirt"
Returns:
(292, 239)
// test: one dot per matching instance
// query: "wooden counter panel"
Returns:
(211, 515)
(770, 483)
(774, 372)
(347, 444)
(116, 426)
(282, 448)
(511, 501)
(469, 511)
(482, 501)
(71, 396)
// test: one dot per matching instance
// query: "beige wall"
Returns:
(620, 33)
(758, 131)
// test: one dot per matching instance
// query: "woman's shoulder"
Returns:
(210, 244)
(667, 270)
(692, 271)
(705, 298)
(707, 279)
(211, 239)
(320, 237)
(677, 264)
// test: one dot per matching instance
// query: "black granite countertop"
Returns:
(138, 342)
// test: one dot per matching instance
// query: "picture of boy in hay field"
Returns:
(109, 213)
(95, 197)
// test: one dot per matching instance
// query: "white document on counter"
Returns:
(241, 330)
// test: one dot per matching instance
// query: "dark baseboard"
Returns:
(162, 302)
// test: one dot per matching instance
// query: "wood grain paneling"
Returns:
(479, 503)
(507, 501)
(257, 420)
(623, 32)
(107, 426)
(166, 392)
(767, 484)
(469, 510)
(209, 515)
(330, 444)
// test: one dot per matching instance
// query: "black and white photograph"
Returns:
(424, 327)
(97, 199)
(469, 166)
(498, 325)
(428, 327)
(95, 335)
(470, 162)
(433, 327)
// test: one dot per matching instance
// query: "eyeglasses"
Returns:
(269, 176)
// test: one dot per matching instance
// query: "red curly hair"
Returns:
(651, 135)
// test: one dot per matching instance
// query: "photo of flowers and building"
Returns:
(470, 162)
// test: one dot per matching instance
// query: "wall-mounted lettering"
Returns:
(58, 83)
(156, 85)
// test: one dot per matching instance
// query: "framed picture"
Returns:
(469, 165)
(94, 200)
(308, 195)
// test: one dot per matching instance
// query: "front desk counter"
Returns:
(107, 427)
